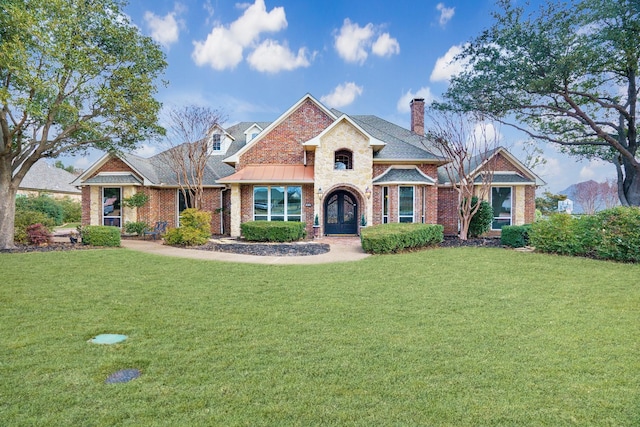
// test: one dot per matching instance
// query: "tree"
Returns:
(588, 195)
(548, 204)
(189, 137)
(609, 193)
(469, 146)
(566, 73)
(61, 165)
(74, 75)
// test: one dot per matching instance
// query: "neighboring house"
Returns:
(310, 161)
(46, 178)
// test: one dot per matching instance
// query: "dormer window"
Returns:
(216, 142)
(343, 160)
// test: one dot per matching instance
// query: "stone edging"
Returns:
(268, 249)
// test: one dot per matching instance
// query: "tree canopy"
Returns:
(74, 74)
(565, 73)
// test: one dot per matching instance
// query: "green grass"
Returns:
(447, 337)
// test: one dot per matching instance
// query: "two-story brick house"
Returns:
(311, 161)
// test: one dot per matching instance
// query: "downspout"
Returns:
(424, 203)
(222, 210)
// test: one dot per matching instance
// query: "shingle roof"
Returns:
(114, 179)
(45, 177)
(403, 176)
(507, 178)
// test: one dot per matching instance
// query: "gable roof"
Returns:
(395, 175)
(45, 177)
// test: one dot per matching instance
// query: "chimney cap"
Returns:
(417, 100)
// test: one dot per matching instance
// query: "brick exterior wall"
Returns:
(283, 145)
(530, 204)
(86, 205)
(447, 210)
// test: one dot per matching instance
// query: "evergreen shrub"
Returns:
(273, 231)
(100, 235)
(480, 222)
(392, 238)
(194, 230)
(515, 236)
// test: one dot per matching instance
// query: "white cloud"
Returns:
(224, 46)
(353, 42)
(595, 170)
(404, 102)
(272, 57)
(386, 46)
(446, 66)
(208, 7)
(446, 13)
(342, 95)
(486, 132)
(145, 150)
(82, 163)
(165, 30)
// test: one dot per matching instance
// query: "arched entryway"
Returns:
(340, 213)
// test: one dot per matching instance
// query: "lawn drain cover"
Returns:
(123, 376)
(108, 339)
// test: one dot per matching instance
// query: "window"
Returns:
(184, 202)
(215, 142)
(385, 205)
(405, 204)
(111, 209)
(501, 204)
(343, 160)
(277, 203)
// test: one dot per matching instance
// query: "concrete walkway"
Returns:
(343, 249)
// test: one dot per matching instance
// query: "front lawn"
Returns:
(444, 337)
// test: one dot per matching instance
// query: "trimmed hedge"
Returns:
(515, 236)
(612, 234)
(273, 231)
(100, 235)
(392, 238)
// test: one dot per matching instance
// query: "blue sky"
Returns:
(254, 60)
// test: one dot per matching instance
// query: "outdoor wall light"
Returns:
(320, 193)
(367, 193)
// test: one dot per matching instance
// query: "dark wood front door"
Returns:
(340, 214)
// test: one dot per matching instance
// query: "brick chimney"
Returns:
(417, 116)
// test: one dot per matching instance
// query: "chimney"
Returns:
(417, 116)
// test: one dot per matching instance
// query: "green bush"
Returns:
(100, 235)
(480, 222)
(25, 218)
(391, 238)
(273, 231)
(515, 236)
(71, 209)
(195, 229)
(619, 234)
(42, 203)
(136, 227)
(612, 234)
(555, 234)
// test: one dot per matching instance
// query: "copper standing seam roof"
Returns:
(271, 173)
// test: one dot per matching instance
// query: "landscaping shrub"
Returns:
(612, 234)
(195, 229)
(273, 231)
(515, 236)
(480, 222)
(391, 238)
(25, 218)
(555, 234)
(100, 235)
(135, 227)
(42, 203)
(619, 234)
(37, 234)
(71, 209)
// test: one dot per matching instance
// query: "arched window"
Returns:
(343, 159)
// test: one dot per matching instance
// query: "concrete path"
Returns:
(343, 249)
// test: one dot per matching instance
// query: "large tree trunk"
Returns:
(631, 185)
(7, 211)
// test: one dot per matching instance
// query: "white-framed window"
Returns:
(501, 201)
(184, 202)
(216, 142)
(385, 205)
(405, 204)
(111, 206)
(277, 203)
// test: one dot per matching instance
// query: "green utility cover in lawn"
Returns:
(108, 339)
